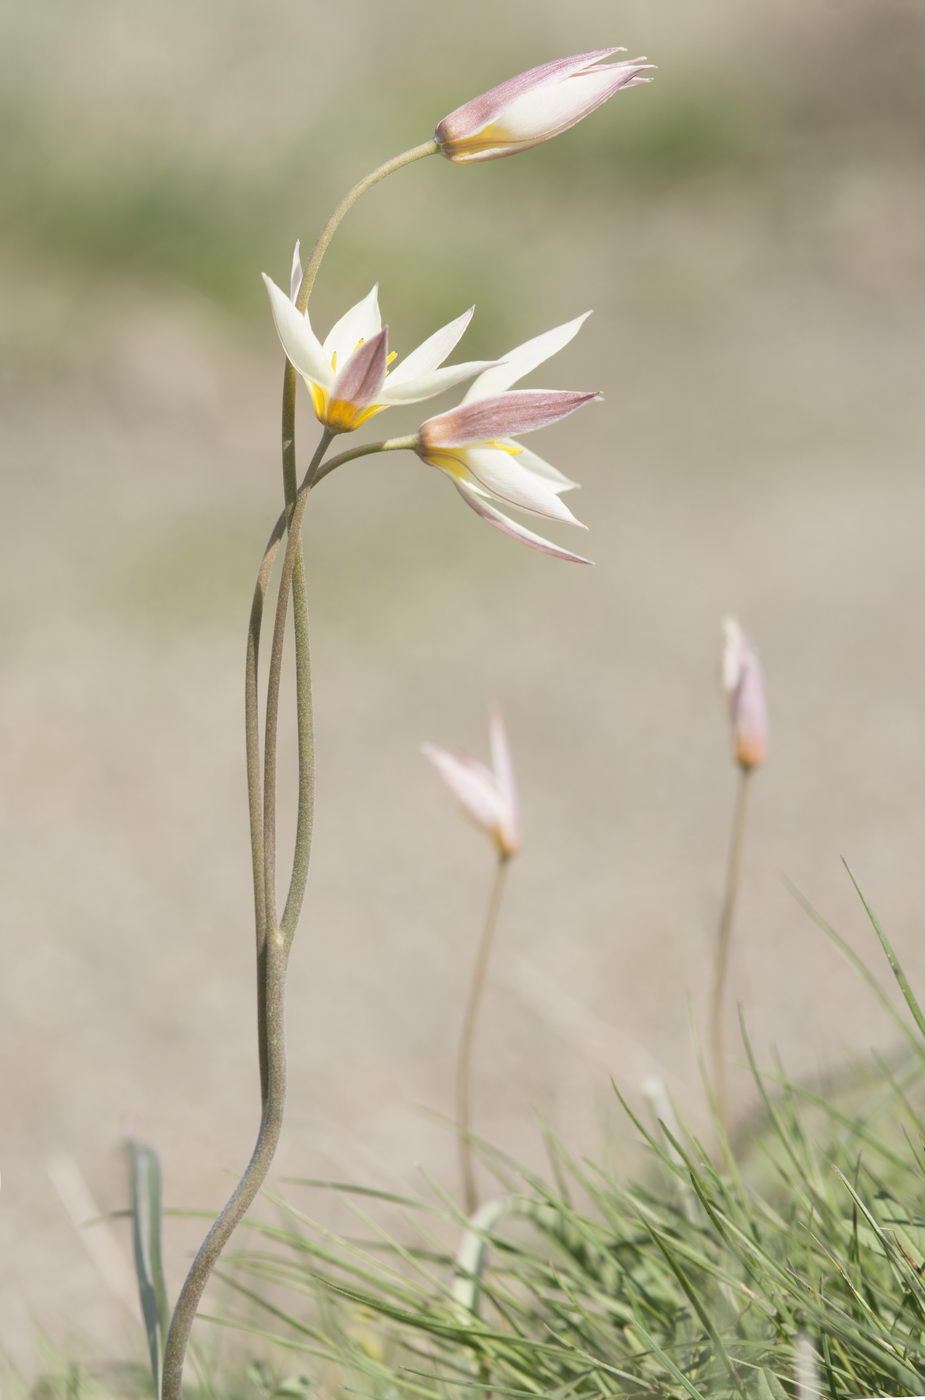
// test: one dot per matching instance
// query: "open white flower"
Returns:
(349, 375)
(488, 796)
(474, 445)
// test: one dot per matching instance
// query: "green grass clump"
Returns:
(704, 1279)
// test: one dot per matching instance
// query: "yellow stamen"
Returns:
(334, 361)
(392, 355)
(510, 448)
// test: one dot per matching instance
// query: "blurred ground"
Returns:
(749, 231)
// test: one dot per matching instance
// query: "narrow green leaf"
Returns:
(896, 966)
(147, 1221)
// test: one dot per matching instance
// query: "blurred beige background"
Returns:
(751, 233)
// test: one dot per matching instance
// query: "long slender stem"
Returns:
(427, 148)
(470, 1017)
(254, 799)
(723, 941)
(291, 563)
(277, 953)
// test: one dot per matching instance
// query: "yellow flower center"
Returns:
(340, 415)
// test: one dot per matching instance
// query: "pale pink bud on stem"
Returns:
(743, 684)
(534, 106)
(489, 797)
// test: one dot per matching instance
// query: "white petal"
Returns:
(295, 277)
(516, 363)
(432, 351)
(361, 322)
(471, 783)
(298, 339)
(507, 785)
(515, 530)
(498, 473)
(552, 107)
(426, 386)
(733, 647)
(554, 479)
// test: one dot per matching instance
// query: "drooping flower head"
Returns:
(535, 106)
(349, 375)
(743, 683)
(488, 796)
(474, 443)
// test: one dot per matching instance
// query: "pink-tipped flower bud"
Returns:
(534, 106)
(743, 683)
(488, 796)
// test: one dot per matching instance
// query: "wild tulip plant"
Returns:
(743, 686)
(352, 377)
(488, 796)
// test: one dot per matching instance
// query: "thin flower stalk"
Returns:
(254, 800)
(467, 1037)
(743, 684)
(723, 947)
(272, 960)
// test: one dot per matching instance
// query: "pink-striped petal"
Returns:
(506, 415)
(361, 378)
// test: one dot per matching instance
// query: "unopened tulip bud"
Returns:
(534, 106)
(743, 683)
(488, 796)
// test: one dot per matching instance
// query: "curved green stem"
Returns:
(427, 148)
(723, 941)
(254, 801)
(291, 561)
(470, 1017)
(277, 953)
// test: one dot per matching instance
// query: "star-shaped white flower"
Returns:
(349, 375)
(474, 445)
